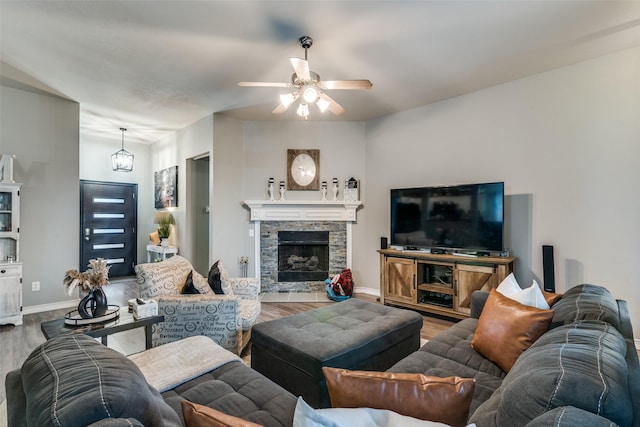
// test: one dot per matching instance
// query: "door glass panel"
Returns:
(106, 200)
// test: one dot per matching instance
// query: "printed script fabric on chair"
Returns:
(226, 319)
(248, 290)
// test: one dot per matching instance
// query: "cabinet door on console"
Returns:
(472, 278)
(400, 280)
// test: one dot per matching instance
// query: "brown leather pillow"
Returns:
(202, 416)
(506, 328)
(444, 400)
(551, 298)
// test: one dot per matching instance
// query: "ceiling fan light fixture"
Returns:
(322, 104)
(310, 94)
(308, 87)
(303, 110)
(287, 99)
(122, 160)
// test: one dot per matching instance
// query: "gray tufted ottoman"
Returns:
(353, 334)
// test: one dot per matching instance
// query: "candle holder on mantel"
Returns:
(335, 189)
(271, 190)
(281, 190)
(324, 191)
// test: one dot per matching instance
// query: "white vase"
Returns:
(164, 242)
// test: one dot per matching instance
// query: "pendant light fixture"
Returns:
(122, 160)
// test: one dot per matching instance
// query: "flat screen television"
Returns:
(462, 217)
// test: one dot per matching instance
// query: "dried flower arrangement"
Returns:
(96, 276)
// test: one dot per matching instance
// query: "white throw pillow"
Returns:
(531, 296)
(509, 286)
(306, 416)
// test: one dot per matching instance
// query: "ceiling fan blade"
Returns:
(279, 109)
(264, 84)
(346, 84)
(301, 66)
(334, 107)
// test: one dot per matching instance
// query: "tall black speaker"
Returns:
(548, 268)
(383, 243)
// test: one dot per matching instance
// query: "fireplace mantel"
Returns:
(302, 210)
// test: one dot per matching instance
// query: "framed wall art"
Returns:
(166, 187)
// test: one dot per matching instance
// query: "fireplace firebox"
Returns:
(303, 256)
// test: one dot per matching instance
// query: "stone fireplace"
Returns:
(298, 244)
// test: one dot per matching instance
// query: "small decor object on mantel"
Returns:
(94, 304)
(270, 190)
(324, 191)
(351, 190)
(335, 189)
(282, 190)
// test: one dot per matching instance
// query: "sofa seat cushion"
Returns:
(581, 365)
(239, 391)
(249, 312)
(450, 354)
(73, 380)
(586, 302)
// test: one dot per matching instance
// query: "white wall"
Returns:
(43, 132)
(566, 144)
(228, 218)
(95, 165)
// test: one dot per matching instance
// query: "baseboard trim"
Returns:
(368, 291)
(32, 309)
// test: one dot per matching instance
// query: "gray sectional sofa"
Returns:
(583, 371)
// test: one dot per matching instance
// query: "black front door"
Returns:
(108, 222)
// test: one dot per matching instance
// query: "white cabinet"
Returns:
(10, 265)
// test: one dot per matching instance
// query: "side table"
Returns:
(162, 250)
(124, 322)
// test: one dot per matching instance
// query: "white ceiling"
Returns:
(158, 66)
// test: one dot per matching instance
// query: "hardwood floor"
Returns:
(17, 342)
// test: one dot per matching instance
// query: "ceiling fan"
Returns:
(308, 87)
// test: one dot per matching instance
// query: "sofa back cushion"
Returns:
(73, 380)
(581, 365)
(586, 302)
(168, 278)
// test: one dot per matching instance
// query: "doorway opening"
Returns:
(198, 185)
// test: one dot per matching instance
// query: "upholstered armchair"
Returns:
(226, 318)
